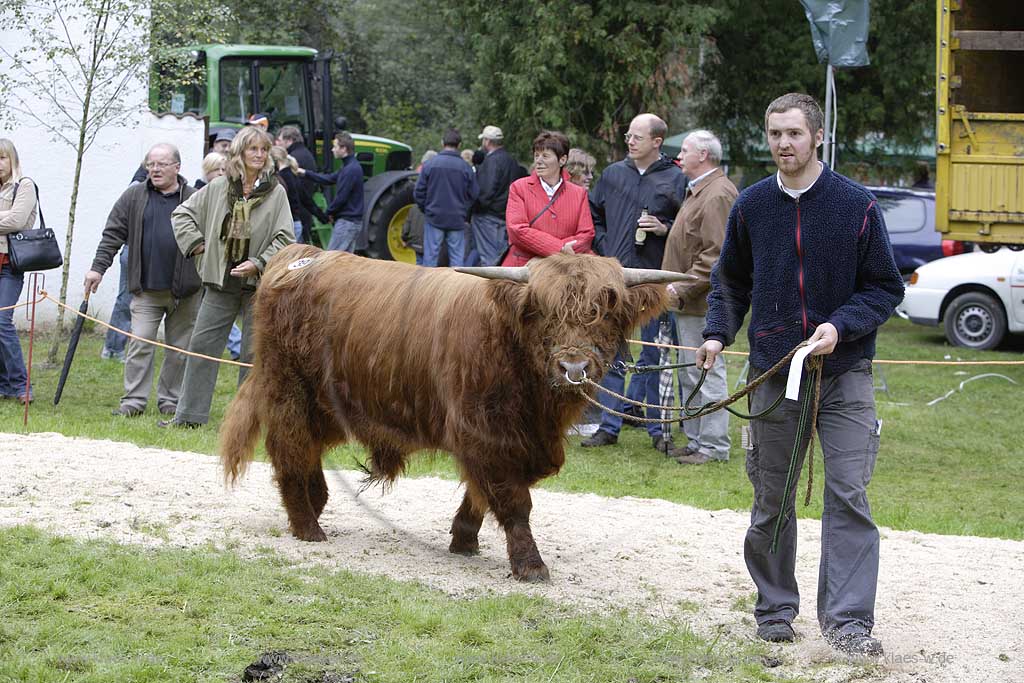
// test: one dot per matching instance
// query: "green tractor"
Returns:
(292, 85)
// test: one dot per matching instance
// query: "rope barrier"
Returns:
(45, 295)
(26, 304)
(875, 360)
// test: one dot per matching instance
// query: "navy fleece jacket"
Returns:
(799, 263)
(348, 189)
(446, 190)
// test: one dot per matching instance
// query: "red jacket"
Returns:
(567, 219)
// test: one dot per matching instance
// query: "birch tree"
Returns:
(78, 74)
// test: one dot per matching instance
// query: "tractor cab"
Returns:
(291, 85)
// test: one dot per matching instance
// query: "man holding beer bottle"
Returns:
(634, 204)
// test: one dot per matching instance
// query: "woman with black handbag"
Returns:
(17, 213)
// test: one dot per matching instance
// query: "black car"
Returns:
(910, 219)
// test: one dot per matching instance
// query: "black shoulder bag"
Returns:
(34, 249)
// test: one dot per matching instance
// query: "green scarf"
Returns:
(236, 228)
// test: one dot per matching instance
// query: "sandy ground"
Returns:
(948, 607)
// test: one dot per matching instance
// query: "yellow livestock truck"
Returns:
(979, 188)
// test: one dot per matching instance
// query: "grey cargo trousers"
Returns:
(848, 572)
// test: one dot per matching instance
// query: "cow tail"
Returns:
(240, 430)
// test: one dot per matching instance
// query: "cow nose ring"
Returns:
(581, 380)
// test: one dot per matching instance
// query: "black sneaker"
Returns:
(857, 644)
(777, 631)
(600, 438)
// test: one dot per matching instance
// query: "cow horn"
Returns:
(519, 274)
(644, 276)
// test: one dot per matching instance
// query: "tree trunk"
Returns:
(58, 331)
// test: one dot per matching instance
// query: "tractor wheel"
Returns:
(386, 220)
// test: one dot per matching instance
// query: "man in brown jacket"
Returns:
(693, 245)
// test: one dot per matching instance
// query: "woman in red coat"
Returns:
(546, 213)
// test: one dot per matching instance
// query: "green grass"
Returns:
(952, 468)
(98, 612)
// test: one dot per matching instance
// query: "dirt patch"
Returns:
(947, 606)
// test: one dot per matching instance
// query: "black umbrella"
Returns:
(76, 332)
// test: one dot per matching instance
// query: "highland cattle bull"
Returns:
(403, 358)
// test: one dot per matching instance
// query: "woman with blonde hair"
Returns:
(298, 198)
(232, 228)
(580, 167)
(213, 167)
(17, 212)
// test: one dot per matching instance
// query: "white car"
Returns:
(978, 297)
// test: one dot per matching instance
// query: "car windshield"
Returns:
(904, 214)
(281, 92)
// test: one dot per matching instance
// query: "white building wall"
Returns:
(107, 169)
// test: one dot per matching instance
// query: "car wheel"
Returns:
(975, 320)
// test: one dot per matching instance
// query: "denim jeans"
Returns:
(121, 316)
(235, 342)
(616, 381)
(345, 235)
(432, 240)
(491, 238)
(13, 375)
(297, 227)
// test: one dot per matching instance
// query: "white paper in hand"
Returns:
(796, 371)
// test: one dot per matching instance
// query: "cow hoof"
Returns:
(464, 546)
(312, 533)
(532, 574)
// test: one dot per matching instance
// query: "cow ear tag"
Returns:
(301, 263)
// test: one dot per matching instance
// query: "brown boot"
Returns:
(695, 458)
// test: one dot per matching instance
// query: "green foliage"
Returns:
(173, 26)
(95, 612)
(768, 52)
(583, 68)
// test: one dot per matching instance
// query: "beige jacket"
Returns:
(198, 221)
(695, 241)
(19, 212)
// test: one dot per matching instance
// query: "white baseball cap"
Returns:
(491, 133)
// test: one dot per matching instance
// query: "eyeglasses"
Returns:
(630, 136)
(160, 165)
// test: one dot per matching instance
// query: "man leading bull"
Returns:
(806, 250)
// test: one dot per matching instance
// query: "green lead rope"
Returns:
(808, 413)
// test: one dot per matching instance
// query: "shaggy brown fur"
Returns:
(402, 358)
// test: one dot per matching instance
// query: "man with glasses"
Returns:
(634, 204)
(164, 284)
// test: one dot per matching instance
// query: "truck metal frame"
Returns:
(979, 189)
